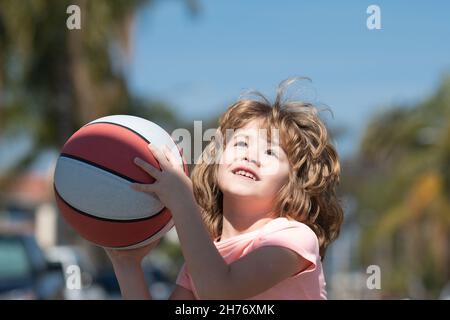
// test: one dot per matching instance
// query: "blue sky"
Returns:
(200, 65)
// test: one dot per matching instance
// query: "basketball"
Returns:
(92, 182)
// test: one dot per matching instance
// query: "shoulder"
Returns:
(289, 233)
(280, 224)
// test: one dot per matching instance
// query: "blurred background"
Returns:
(174, 62)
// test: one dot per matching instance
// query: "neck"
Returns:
(241, 216)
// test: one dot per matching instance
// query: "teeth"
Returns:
(246, 174)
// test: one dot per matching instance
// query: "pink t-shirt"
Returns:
(294, 235)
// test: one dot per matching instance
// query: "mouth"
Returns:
(245, 173)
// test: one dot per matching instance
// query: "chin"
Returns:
(238, 191)
(243, 194)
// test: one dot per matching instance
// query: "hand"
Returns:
(128, 269)
(130, 256)
(172, 184)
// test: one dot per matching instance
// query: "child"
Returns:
(256, 223)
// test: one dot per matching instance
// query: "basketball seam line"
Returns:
(137, 244)
(101, 218)
(185, 169)
(99, 166)
(116, 124)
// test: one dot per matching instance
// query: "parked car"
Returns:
(160, 286)
(25, 273)
(74, 259)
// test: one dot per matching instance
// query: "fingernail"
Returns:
(137, 160)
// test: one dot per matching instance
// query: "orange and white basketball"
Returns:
(93, 176)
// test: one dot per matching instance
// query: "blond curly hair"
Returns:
(310, 194)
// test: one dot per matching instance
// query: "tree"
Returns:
(54, 80)
(401, 181)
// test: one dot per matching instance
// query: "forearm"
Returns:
(207, 267)
(131, 280)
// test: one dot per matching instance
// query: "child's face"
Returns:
(249, 150)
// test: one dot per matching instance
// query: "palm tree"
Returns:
(54, 80)
(402, 183)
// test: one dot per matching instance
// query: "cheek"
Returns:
(275, 169)
(277, 176)
(227, 157)
(221, 172)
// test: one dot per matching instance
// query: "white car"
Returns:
(78, 273)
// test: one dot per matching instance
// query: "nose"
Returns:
(251, 154)
(255, 161)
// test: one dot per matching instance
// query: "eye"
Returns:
(241, 144)
(270, 152)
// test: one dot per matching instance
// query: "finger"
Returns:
(144, 187)
(173, 161)
(147, 167)
(169, 155)
(159, 155)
